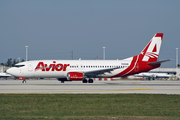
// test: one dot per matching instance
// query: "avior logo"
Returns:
(51, 67)
(151, 55)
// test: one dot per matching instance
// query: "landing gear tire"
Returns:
(24, 81)
(62, 81)
(84, 81)
(90, 81)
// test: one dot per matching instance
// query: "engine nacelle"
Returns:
(21, 78)
(75, 76)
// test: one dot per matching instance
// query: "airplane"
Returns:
(153, 76)
(4, 75)
(86, 70)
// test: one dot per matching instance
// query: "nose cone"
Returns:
(11, 71)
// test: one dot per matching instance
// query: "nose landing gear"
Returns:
(23, 79)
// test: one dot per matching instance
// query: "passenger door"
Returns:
(30, 67)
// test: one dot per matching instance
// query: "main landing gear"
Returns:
(23, 81)
(87, 81)
(62, 81)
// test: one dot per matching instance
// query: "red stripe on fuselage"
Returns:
(130, 69)
(137, 66)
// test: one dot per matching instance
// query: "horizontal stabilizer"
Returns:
(158, 62)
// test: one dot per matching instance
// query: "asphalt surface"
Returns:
(47, 86)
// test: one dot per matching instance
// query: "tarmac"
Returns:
(54, 86)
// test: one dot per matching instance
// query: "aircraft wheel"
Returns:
(62, 81)
(24, 81)
(84, 81)
(90, 80)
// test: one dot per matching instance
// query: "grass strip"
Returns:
(90, 106)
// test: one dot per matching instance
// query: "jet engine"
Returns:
(75, 76)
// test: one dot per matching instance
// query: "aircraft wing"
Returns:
(95, 73)
(4, 75)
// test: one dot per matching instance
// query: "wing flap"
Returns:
(95, 73)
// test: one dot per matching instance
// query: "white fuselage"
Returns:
(156, 75)
(60, 68)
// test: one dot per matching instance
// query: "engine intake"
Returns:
(75, 76)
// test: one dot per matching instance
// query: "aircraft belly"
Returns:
(53, 74)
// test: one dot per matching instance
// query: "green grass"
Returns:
(88, 106)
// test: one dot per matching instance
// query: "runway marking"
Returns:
(77, 91)
(134, 82)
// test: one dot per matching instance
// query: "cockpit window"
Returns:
(19, 66)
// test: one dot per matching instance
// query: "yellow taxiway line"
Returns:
(86, 91)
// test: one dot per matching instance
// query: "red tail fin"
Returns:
(141, 62)
(151, 52)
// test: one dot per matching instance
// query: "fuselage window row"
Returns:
(99, 66)
(77, 66)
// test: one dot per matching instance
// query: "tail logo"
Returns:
(151, 52)
(155, 49)
(151, 55)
